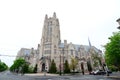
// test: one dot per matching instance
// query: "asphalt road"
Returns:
(10, 76)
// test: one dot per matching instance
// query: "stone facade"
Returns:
(51, 48)
(30, 55)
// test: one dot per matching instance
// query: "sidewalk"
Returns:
(114, 75)
(49, 74)
(42, 74)
(117, 77)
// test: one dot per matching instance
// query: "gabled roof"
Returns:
(61, 45)
(26, 51)
(85, 47)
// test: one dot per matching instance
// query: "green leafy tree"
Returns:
(112, 50)
(3, 66)
(66, 67)
(19, 63)
(74, 63)
(53, 68)
(25, 68)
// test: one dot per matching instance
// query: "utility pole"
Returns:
(63, 59)
(60, 64)
(44, 59)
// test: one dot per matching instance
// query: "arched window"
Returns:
(43, 67)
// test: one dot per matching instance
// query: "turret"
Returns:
(65, 42)
(46, 16)
(54, 15)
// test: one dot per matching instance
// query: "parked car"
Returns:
(98, 72)
(92, 73)
(109, 71)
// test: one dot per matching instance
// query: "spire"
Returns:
(89, 42)
(54, 15)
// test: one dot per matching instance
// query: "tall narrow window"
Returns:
(55, 51)
(71, 52)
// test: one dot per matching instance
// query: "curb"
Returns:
(41, 74)
(113, 77)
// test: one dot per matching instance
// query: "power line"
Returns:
(8, 55)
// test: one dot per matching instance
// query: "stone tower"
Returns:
(50, 37)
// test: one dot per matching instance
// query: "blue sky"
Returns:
(21, 22)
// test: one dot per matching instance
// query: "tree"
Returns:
(112, 50)
(66, 67)
(19, 64)
(53, 68)
(3, 66)
(74, 63)
(25, 68)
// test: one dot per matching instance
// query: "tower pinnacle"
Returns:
(46, 16)
(54, 15)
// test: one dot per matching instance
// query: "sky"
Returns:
(21, 22)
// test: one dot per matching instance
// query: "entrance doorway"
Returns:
(43, 67)
(82, 68)
(89, 67)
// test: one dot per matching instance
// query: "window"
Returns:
(49, 32)
(55, 51)
(47, 46)
(71, 52)
(47, 51)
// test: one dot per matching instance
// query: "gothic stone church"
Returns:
(51, 48)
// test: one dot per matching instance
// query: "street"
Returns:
(12, 76)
